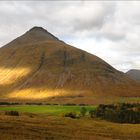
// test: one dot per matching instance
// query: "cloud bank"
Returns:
(110, 30)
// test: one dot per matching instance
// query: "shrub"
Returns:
(71, 115)
(33, 103)
(92, 113)
(12, 113)
(83, 111)
(69, 104)
(47, 104)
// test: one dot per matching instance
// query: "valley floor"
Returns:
(29, 126)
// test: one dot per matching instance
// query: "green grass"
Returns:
(46, 109)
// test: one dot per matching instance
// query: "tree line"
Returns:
(121, 113)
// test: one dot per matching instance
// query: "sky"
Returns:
(110, 30)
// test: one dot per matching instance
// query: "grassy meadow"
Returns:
(46, 109)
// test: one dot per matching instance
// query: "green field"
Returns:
(46, 109)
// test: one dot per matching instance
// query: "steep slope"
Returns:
(134, 74)
(38, 66)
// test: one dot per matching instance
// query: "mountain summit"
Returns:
(38, 67)
(36, 29)
(41, 33)
(34, 35)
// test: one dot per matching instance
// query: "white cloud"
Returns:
(110, 30)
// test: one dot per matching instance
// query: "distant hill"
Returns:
(37, 66)
(134, 74)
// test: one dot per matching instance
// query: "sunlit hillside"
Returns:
(38, 66)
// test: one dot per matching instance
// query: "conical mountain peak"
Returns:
(40, 33)
(36, 28)
(34, 35)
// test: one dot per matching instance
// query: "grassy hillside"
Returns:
(41, 127)
(39, 67)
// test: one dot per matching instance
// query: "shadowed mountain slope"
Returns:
(39, 67)
(134, 74)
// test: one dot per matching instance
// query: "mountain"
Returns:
(134, 74)
(37, 66)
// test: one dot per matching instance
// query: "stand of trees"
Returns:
(122, 113)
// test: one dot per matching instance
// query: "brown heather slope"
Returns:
(39, 67)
